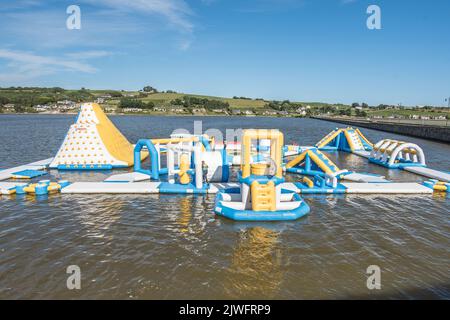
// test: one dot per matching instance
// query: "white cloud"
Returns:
(19, 4)
(84, 55)
(176, 11)
(105, 24)
(26, 65)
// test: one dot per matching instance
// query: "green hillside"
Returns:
(150, 101)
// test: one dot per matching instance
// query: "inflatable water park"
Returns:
(196, 164)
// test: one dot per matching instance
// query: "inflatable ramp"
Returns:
(93, 143)
(345, 139)
(311, 162)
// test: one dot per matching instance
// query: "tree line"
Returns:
(190, 102)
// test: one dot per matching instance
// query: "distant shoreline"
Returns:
(154, 115)
(427, 131)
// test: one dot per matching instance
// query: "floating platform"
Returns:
(363, 177)
(112, 188)
(8, 188)
(429, 173)
(38, 165)
(361, 188)
(28, 174)
(387, 188)
(128, 177)
(141, 188)
(297, 187)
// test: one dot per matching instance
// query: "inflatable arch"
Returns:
(397, 154)
(154, 158)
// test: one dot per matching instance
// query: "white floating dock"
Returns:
(129, 188)
(8, 187)
(112, 188)
(387, 188)
(128, 177)
(362, 153)
(153, 187)
(430, 173)
(38, 165)
(361, 177)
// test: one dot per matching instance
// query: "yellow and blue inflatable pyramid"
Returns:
(93, 143)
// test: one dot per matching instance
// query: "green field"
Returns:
(166, 98)
(408, 112)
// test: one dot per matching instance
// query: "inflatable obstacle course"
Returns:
(395, 154)
(190, 164)
(345, 139)
(93, 143)
(312, 162)
(260, 196)
(196, 165)
(43, 187)
(389, 153)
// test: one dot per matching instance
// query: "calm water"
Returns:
(160, 246)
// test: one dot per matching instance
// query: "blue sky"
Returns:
(302, 50)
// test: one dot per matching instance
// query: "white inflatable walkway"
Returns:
(129, 188)
(430, 173)
(387, 188)
(128, 177)
(362, 177)
(111, 188)
(153, 187)
(38, 165)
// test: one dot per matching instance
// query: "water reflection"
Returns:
(256, 261)
(185, 215)
(97, 215)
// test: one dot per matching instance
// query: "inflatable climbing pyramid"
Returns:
(93, 143)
